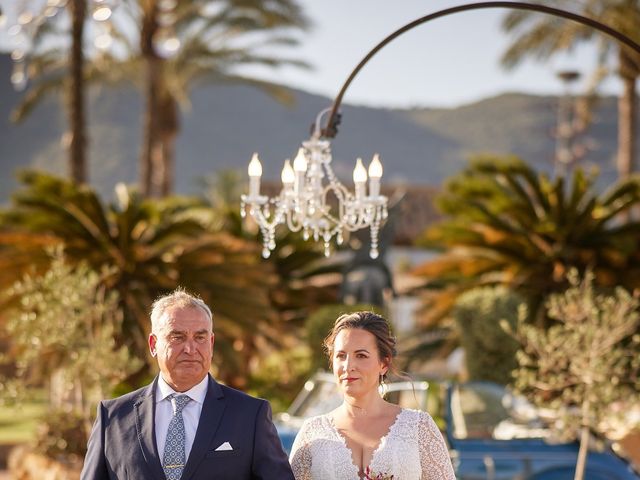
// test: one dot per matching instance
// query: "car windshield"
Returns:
(319, 396)
(483, 410)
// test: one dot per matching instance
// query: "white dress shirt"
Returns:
(190, 413)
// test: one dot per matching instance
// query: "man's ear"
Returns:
(152, 344)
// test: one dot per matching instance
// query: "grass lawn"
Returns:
(18, 422)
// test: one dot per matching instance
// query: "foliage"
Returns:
(64, 321)
(148, 248)
(62, 433)
(489, 350)
(217, 39)
(59, 70)
(298, 263)
(587, 365)
(18, 422)
(507, 225)
(281, 376)
(542, 37)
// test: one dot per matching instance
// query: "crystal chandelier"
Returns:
(313, 200)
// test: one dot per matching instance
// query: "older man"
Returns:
(184, 425)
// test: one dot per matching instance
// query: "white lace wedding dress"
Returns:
(413, 449)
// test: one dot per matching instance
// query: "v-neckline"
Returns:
(381, 442)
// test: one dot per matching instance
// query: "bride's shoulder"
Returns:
(415, 416)
(317, 421)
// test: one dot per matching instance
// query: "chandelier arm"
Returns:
(331, 130)
(261, 219)
(291, 223)
(316, 130)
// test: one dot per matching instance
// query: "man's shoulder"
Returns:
(128, 398)
(239, 396)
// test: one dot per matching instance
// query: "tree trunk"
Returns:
(168, 132)
(582, 454)
(584, 443)
(627, 115)
(152, 75)
(78, 144)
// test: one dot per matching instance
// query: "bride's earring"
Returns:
(382, 388)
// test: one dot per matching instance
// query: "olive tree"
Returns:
(585, 363)
(64, 326)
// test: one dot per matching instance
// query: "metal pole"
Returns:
(330, 130)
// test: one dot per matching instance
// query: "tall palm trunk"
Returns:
(169, 126)
(160, 122)
(151, 81)
(627, 115)
(76, 98)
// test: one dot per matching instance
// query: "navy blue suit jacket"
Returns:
(123, 443)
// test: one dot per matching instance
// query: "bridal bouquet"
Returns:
(371, 475)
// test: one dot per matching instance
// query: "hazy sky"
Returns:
(446, 62)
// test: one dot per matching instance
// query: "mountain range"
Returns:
(223, 125)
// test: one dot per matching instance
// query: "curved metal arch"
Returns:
(331, 130)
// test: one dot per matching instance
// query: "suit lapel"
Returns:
(145, 408)
(212, 410)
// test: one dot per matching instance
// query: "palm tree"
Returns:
(78, 143)
(508, 225)
(215, 39)
(544, 36)
(147, 248)
(51, 71)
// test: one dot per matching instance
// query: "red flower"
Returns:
(371, 475)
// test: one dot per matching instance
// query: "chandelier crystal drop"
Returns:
(314, 201)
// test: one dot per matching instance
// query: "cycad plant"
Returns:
(149, 248)
(506, 224)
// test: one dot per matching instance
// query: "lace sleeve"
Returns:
(434, 455)
(300, 457)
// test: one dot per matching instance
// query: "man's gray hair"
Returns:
(179, 298)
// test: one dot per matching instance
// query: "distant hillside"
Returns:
(225, 124)
(523, 125)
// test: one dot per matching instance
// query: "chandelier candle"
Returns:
(288, 176)
(255, 172)
(300, 169)
(360, 179)
(375, 173)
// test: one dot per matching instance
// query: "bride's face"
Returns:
(356, 362)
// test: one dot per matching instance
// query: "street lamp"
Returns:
(565, 130)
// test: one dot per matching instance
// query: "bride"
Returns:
(367, 437)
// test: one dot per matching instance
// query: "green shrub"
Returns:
(62, 433)
(489, 350)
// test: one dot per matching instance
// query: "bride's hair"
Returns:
(372, 323)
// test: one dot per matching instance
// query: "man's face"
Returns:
(183, 346)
